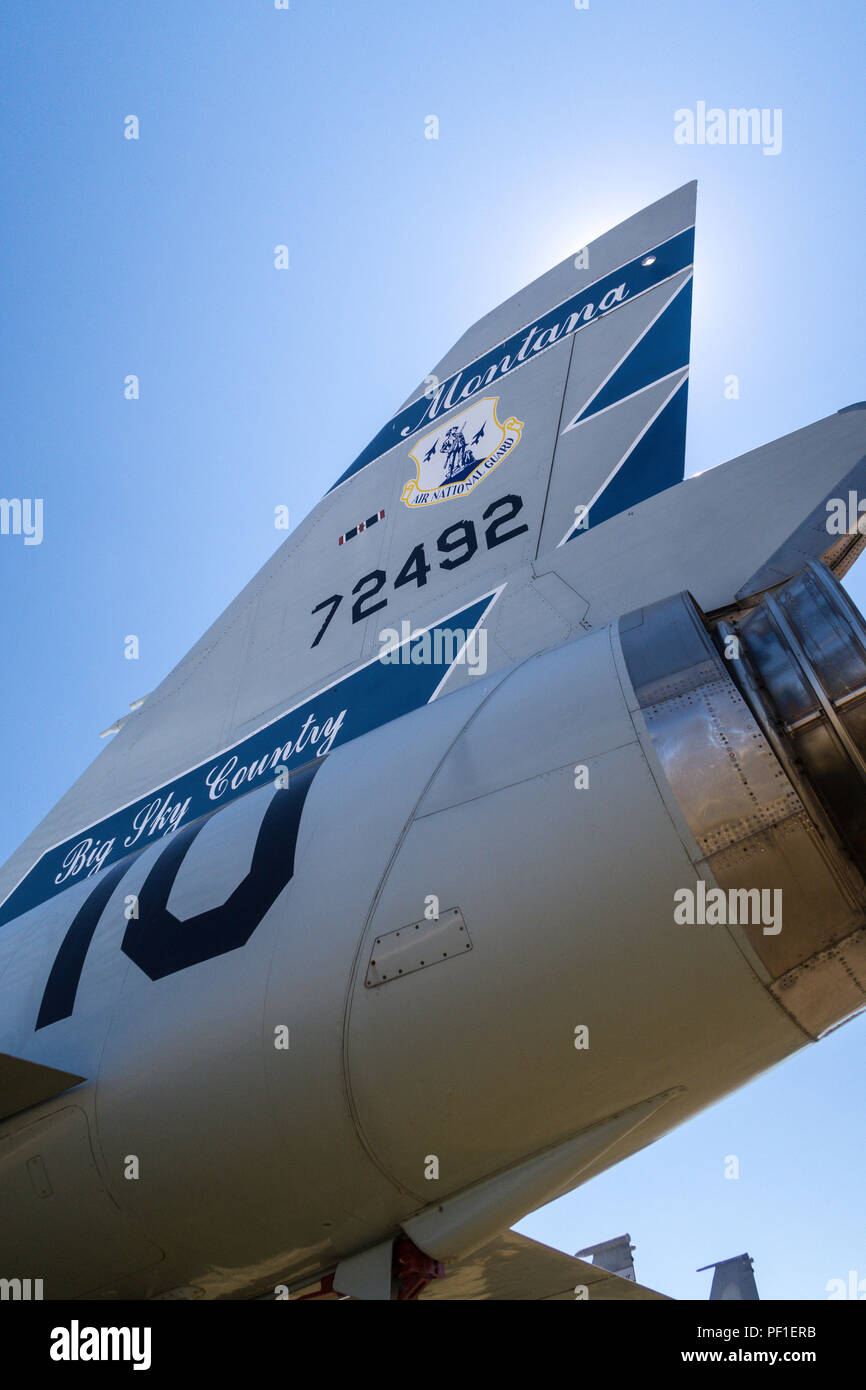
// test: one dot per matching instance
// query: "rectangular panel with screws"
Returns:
(416, 946)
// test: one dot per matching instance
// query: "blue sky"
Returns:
(306, 127)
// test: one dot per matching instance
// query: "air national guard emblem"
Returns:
(454, 458)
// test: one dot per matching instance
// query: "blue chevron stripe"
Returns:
(655, 463)
(663, 349)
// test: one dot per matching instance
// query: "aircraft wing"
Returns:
(515, 1268)
(24, 1084)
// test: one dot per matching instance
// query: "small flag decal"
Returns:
(362, 527)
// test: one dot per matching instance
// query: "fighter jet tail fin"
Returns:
(733, 1279)
(585, 369)
(555, 412)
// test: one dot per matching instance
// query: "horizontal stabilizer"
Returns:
(24, 1084)
(515, 1268)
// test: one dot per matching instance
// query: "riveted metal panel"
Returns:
(417, 946)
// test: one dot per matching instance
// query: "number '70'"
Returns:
(159, 943)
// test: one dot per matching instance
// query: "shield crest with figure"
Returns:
(456, 456)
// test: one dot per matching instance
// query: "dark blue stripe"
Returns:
(670, 256)
(662, 350)
(371, 696)
(656, 463)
